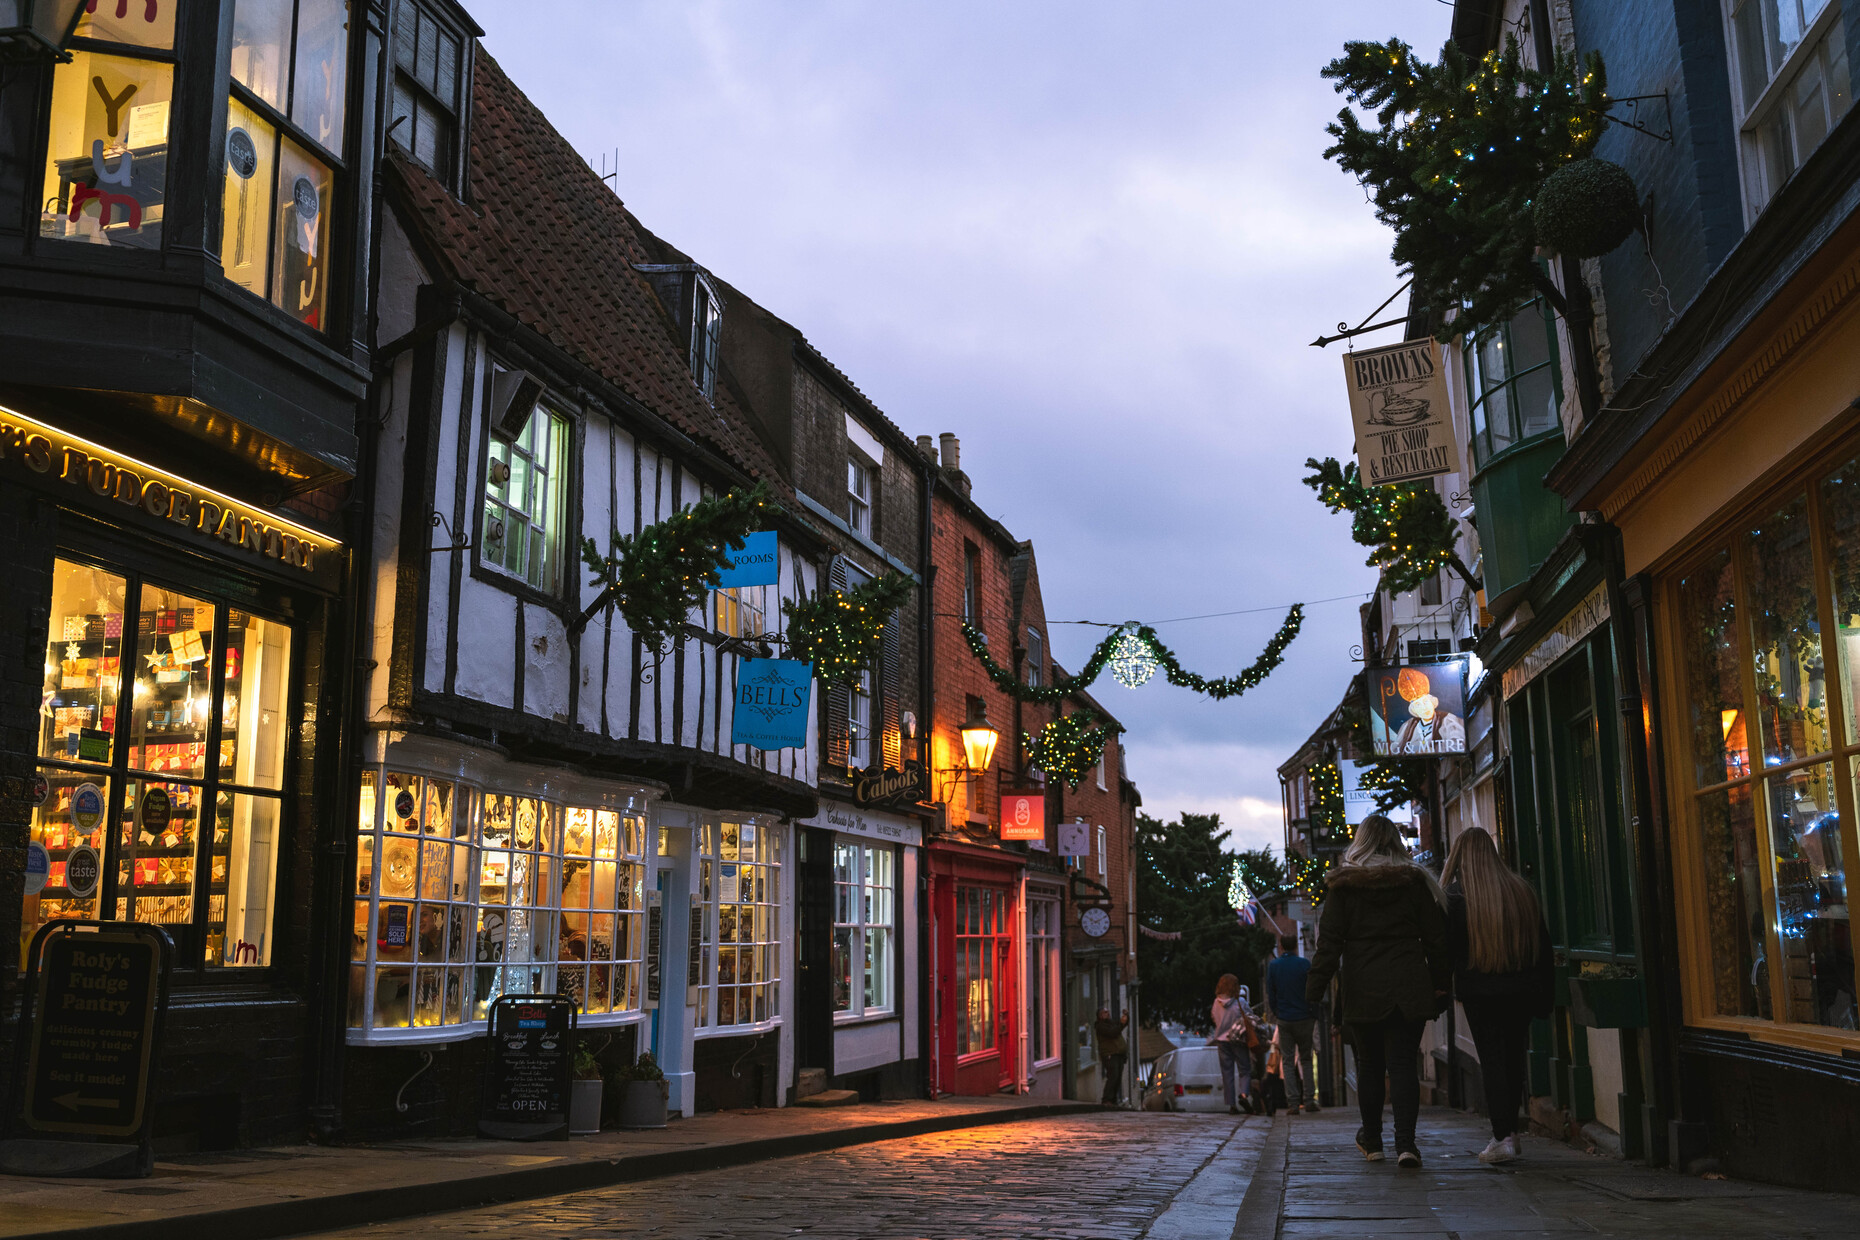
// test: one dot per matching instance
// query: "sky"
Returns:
(1094, 241)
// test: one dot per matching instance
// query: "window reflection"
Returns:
(106, 168)
(1813, 934)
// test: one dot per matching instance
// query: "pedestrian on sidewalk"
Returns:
(1233, 1027)
(1112, 1050)
(1384, 924)
(1502, 974)
(1285, 998)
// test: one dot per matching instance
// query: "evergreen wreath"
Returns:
(1406, 526)
(841, 631)
(1459, 152)
(659, 575)
(1069, 746)
(1219, 688)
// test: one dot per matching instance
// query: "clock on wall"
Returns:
(1094, 921)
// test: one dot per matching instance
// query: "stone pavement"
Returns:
(1312, 1183)
(247, 1194)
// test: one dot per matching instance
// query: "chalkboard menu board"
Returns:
(526, 1068)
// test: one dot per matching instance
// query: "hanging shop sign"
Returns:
(892, 787)
(1588, 616)
(1075, 838)
(1398, 402)
(142, 494)
(1418, 708)
(530, 1043)
(754, 565)
(856, 820)
(97, 992)
(1023, 815)
(771, 704)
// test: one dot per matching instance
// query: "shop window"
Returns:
(864, 913)
(525, 502)
(739, 881)
(602, 939)
(859, 497)
(166, 714)
(1774, 753)
(106, 164)
(1043, 977)
(741, 611)
(984, 941)
(1793, 83)
(284, 142)
(429, 76)
(1512, 382)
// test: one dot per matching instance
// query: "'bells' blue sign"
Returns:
(754, 565)
(771, 703)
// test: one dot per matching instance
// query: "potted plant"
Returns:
(584, 1098)
(644, 1093)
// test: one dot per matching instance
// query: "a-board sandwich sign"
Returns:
(530, 1046)
(97, 992)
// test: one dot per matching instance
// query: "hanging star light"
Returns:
(1132, 660)
(1238, 893)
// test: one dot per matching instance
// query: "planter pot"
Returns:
(1608, 1002)
(643, 1103)
(584, 1106)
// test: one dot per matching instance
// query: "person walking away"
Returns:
(1502, 975)
(1232, 1019)
(1285, 997)
(1383, 927)
(1112, 1050)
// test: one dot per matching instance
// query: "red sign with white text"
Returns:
(1023, 815)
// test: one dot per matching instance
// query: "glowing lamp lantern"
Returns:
(979, 739)
(36, 29)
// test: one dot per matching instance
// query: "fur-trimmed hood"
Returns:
(1375, 877)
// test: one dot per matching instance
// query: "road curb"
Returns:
(1265, 1193)
(304, 1216)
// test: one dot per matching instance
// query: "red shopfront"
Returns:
(978, 958)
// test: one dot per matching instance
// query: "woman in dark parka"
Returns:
(1383, 920)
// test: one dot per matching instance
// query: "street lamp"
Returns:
(29, 29)
(979, 739)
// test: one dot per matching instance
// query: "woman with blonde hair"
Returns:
(1383, 926)
(1502, 970)
(1233, 1021)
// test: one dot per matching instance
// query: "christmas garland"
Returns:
(1329, 823)
(1406, 527)
(659, 575)
(1219, 688)
(1069, 746)
(1310, 877)
(840, 631)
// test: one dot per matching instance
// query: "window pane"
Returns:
(1840, 508)
(145, 23)
(1734, 903)
(1840, 81)
(106, 163)
(242, 899)
(1778, 151)
(877, 968)
(156, 852)
(1811, 898)
(72, 817)
(842, 969)
(1783, 24)
(298, 282)
(446, 73)
(1753, 70)
(321, 81)
(425, 140)
(245, 239)
(1785, 630)
(1811, 109)
(83, 664)
(406, 34)
(261, 47)
(1708, 637)
(254, 704)
(173, 695)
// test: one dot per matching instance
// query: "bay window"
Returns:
(864, 913)
(1793, 86)
(1512, 383)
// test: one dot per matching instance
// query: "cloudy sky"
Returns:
(1094, 240)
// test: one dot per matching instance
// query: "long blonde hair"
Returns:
(1377, 841)
(1501, 909)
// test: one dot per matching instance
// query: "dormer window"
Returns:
(706, 331)
(429, 76)
(696, 308)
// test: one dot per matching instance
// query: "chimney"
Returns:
(952, 451)
(926, 447)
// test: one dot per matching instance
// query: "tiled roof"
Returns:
(542, 237)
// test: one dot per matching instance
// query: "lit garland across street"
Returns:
(658, 576)
(1218, 688)
(1069, 746)
(840, 631)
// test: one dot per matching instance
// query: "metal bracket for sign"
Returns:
(456, 542)
(1634, 102)
(68, 1149)
(1097, 896)
(1345, 331)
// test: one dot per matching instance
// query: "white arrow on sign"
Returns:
(73, 1102)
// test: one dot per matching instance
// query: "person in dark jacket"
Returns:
(1112, 1050)
(1502, 974)
(1285, 999)
(1383, 923)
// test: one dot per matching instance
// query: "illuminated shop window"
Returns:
(1043, 977)
(864, 912)
(984, 941)
(739, 883)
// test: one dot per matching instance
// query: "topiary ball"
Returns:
(1585, 208)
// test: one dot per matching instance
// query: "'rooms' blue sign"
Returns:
(754, 565)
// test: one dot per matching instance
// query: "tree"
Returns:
(1184, 875)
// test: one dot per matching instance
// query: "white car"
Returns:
(1188, 1079)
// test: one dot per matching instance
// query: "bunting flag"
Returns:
(1168, 936)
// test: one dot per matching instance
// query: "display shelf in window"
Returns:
(740, 864)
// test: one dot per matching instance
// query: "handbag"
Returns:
(1252, 1034)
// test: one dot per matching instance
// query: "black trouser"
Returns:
(1391, 1048)
(1113, 1068)
(1501, 1031)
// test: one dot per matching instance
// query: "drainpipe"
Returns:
(926, 739)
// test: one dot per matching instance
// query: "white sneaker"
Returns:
(1514, 1146)
(1497, 1151)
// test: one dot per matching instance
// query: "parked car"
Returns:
(1188, 1079)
